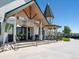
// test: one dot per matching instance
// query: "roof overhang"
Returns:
(18, 8)
(52, 26)
(35, 8)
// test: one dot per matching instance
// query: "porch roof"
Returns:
(53, 26)
(31, 10)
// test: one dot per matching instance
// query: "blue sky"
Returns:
(66, 12)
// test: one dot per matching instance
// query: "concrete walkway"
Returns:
(58, 50)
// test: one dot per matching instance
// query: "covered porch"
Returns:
(29, 23)
(52, 32)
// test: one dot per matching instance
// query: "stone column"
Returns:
(55, 33)
(45, 33)
(27, 30)
(41, 36)
(14, 34)
(34, 30)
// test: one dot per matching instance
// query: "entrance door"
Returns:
(30, 33)
(21, 33)
(10, 37)
(10, 32)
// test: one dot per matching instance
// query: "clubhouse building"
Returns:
(23, 20)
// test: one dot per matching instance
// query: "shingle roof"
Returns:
(48, 12)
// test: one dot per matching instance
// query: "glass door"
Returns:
(30, 33)
(21, 33)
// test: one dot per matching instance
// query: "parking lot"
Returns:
(57, 50)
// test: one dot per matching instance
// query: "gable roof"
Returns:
(25, 5)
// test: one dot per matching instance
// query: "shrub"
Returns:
(66, 39)
(59, 37)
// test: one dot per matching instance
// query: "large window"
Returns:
(4, 2)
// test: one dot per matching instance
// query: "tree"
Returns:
(66, 30)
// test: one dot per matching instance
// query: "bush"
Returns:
(66, 39)
(59, 37)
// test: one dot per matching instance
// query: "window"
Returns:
(4, 2)
(8, 27)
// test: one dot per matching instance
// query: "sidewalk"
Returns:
(10, 46)
(58, 50)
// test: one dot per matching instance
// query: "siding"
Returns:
(4, 2)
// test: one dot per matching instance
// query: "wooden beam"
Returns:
(25, 13)
(30, 9)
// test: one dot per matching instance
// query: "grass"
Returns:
(66, 39)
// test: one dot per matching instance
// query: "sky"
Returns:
(66, 12)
